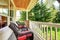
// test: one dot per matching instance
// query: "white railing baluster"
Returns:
(44, 32)
(55, 33)
(42, 29)
(50, 33)
(47, 33)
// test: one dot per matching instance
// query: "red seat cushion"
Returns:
(23, 32)
(28, 35)
(20, 26)
(22, 37)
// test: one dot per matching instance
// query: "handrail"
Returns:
(42, 29)
(47, 23)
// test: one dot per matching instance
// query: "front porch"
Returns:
(42, 30)
(45, 30)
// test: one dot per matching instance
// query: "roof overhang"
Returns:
(24, 4)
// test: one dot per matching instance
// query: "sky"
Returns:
(56, 4)
(43, 1)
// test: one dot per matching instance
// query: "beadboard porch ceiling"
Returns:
(24, 4)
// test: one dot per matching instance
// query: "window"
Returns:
(17, 14)
(4, 11)
(0, 10)
(11, 15)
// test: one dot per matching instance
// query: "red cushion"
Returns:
(20, 26)
(23, 32)
(22, 37)
(28, 35)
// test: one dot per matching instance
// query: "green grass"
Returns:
(53, 35)
(58, 35)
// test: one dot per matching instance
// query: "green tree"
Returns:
(34, 13)
(57, 18)
(41, 13)
(23, 16)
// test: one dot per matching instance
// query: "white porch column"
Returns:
(27, 20)
(26, 15)
(14, 13)
(8, 18)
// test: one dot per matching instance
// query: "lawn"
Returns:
(53, 35)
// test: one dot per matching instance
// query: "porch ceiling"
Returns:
(24, 4)
(19, 4)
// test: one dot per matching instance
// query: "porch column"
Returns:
(8, 18)
(27, 20)
(14, 14)
(26, 15)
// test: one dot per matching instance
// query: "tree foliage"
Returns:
(40, 13)
(23, 16)
(57, 18)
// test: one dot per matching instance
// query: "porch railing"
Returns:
(45, 30)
